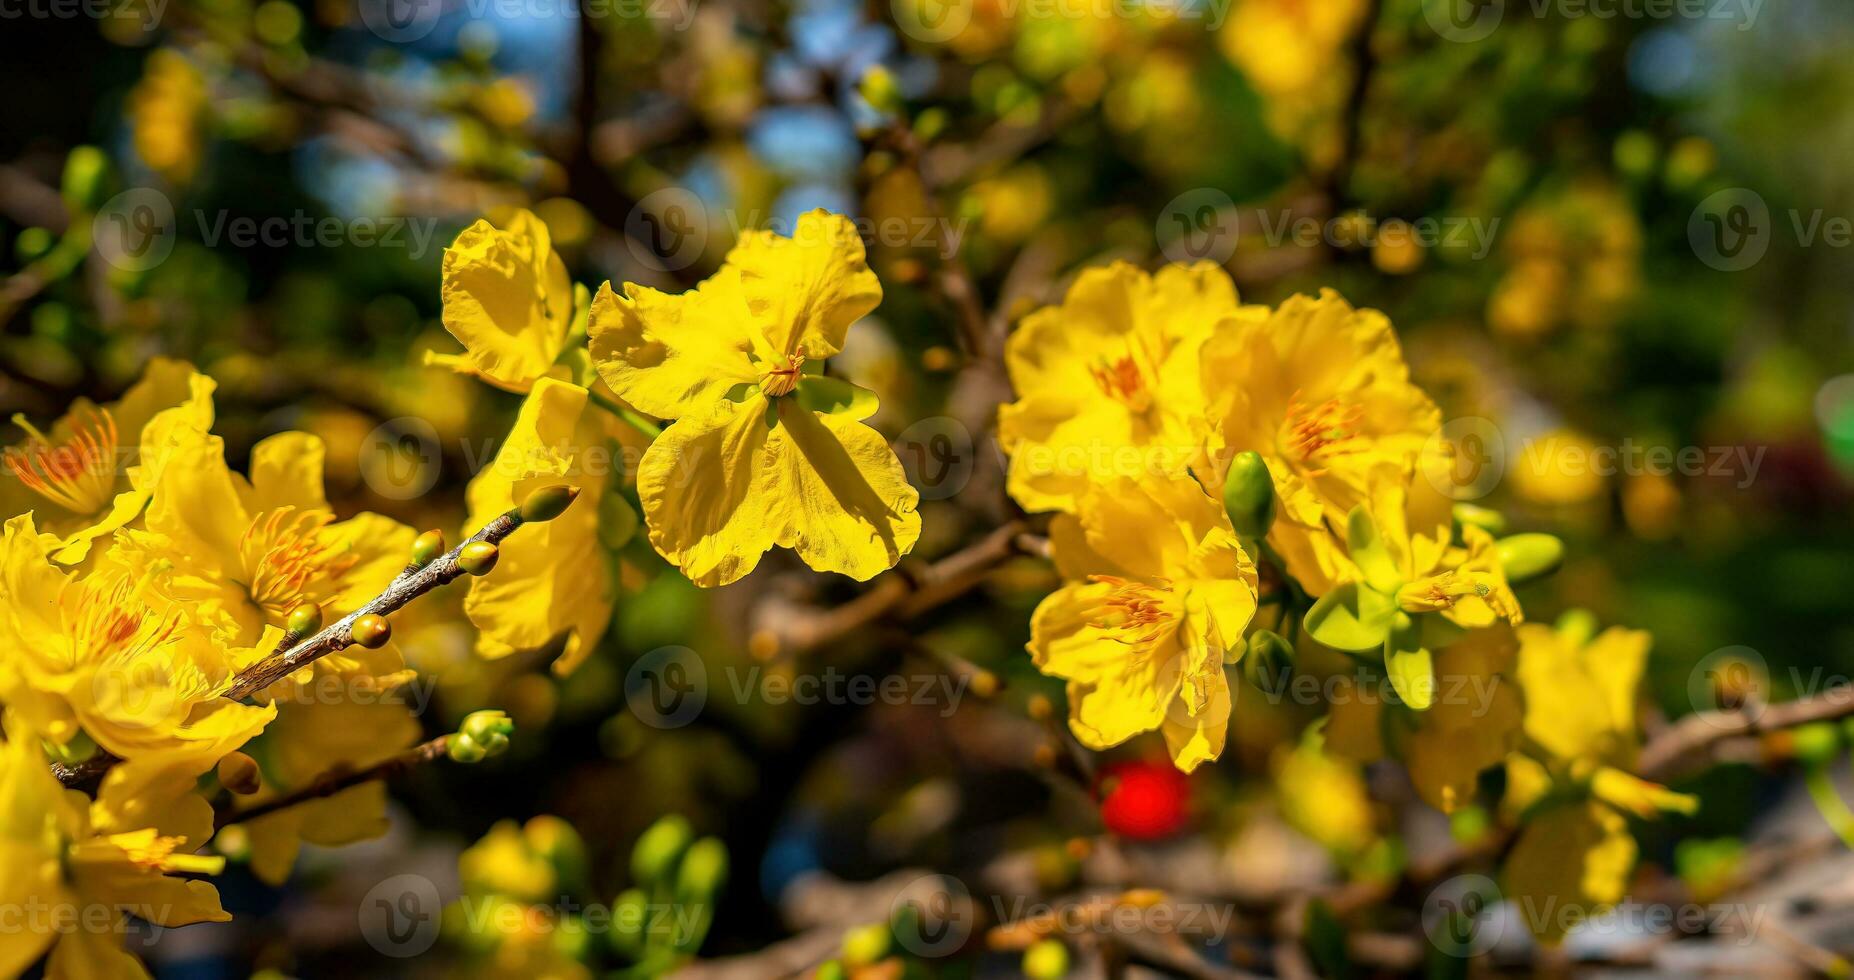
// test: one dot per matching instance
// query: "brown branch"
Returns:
(1692, 742)
(336, 780)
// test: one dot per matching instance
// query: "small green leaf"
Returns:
(1369, 553)
(1409, 663)
(835, 396)
(1352, 617)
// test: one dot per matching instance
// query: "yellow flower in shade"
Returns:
(763, 451)
(1324, 796)
(553, 578)
(1570, 861)
(245, 552)
(1321, 391)
(1108, 383)
(165, 109)
(1159, 589)
(508, 300)
(106, 652)
(309, 740)
(92, 472)
(86, 866)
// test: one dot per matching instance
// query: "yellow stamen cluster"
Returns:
(80, 475)
(287, 556)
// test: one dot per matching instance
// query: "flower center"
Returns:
(1134, 612)
(1123, 381)
(288, 559)
(780, 381)
(111, 621)
(1315, 431)
(80, 475)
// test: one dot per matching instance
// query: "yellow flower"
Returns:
(1570, 862)
(104, 652)
(555, 577)
(92, 473)
(1158, 590)
(764, 453)
(247, 551)
(504, 863)
(508, 300)
(84, 867)
(1321, 391)
(1108, 382)
(165, 110)
(1324, 797)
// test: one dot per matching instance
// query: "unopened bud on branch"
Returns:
(304, 620)
(238, 772)
(372, 631)
(478, 557)
(427, 548)
(547, 503)
(1249, 496)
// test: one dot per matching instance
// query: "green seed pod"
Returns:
(1047, 960)
(86, 170)
(305, 619)
(238, 772)
(1528, 557)
(371, 631)
(703, 871)
(462, 748)
(1269, 660)
(478, 557)
(78, 748)
(657, 850)
(427, 548)
(1249, 495)
(1485, 518)
(866, 945)
(547, 503)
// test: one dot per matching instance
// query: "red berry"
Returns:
(1145, 800)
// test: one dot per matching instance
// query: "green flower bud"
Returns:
(86, 170)
(1816, 743)
(1527, 557)
(658, 849)
(866, 945)
(1485, 518)
(371, 631)
(238, 772)
(703, 871)
(304, 620)
(878, 88)
(1047, 960)
(427, 548)
(1249, 495)
(32, 243)
(80, 747)
(489, 729)
(478, 557)
(555, 839)
(628, 913)
(462, 748)
(1577, 626)
(830, 970)
(1269, 660)
(547, 503)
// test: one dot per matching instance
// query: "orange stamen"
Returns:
(78, 476)
(287, 557)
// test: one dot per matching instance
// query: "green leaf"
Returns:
(1409, 663)
(1369, 553)
(1352, 617)
(1325, 940)
(835, 396)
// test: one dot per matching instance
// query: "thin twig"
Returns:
(1691, 742)
(336, 780)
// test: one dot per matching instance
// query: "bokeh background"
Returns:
(1596, 226)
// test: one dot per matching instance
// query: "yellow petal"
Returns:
(508, 300)
(1569, 863)
(674, 355)
(805, 291)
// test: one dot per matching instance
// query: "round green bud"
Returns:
(79, 748)
(238, 772)
(32, 243)
(489, 729)
(1485, 518)
(628, 914)
(879, 89)
(1577, 626)
(86, 170)
(1269, 660)
(1046, 960)
(428, 547)
(478, 557)
(371, 631)
(1249, 495)
(547, 503)
(866, 945)
(1528, 557)
(462, 748)
(305, 619)
(830, 970)
(659, 848)
(703, 871)
(1816, 743)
